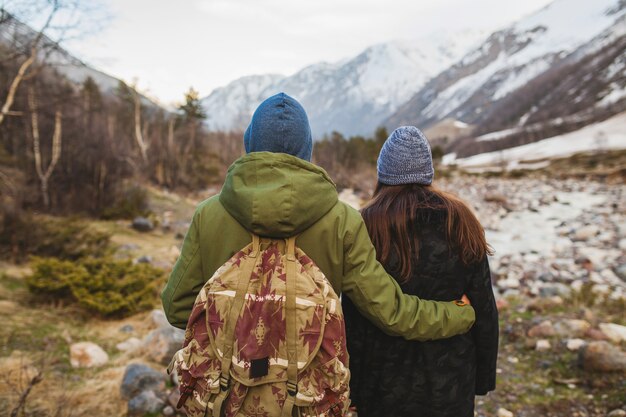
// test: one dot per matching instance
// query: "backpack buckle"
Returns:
(224, 383)
(292, 388)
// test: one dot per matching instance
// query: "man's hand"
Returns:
(466, 300)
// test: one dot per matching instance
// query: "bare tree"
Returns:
(44, 177)
(27, 64)
(139, 137)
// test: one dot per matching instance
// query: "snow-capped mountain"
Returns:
(513, 78)
(351, 96)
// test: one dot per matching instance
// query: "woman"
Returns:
(433, 245)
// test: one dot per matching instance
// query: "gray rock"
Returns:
(144, 259)
(543, 329)
(145, 402)
(586, 232)
(168, 411)
(142, 224)
(572, 328)
(161, 344)
(139, 378)
(158, 319)
(603, 357)
(127, 328)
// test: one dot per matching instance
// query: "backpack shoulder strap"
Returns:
(291, 330)
(229, 331)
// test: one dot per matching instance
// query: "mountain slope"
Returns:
(351, 96)
(17, 37)
(556, 38)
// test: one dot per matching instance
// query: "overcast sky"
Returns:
(170, 45)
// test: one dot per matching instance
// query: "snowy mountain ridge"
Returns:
(353, 95)
(561, 32)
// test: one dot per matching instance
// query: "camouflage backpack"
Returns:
(266, 338)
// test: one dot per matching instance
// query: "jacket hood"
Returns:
(277, 195)
(280, 124)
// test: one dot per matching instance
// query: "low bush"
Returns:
(107, 287)
(63, 238)
(128, 203)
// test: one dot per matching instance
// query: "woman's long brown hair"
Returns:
(392, 214)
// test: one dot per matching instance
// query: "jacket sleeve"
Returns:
(485, 330)
(379, 297)
(185, 281)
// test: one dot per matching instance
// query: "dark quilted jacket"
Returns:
(395, 377)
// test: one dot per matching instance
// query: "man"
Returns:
(274, 191)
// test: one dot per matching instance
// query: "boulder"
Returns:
(145, 402)
(142, 224)
(543, 345)
(140, 378)
(572, 328)
(158, 319)
(503, 412)
(615, 332)
(87, 355)
(161, 344)
(129, 345)
(586, 232)
(603, 357)
(543, 329)
(575, 344)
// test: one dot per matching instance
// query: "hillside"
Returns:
(534, 76)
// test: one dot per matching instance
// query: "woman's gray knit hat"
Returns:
(406, 158)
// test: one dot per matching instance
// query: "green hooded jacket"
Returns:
(278, 195)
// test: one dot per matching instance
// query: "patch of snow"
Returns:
(496, 135)
(460, 124)
(609, 134)
(616, 94)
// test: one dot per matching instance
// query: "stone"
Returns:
(620, 271)
(145, 402)
(129, 345)
(617, 413)
(602, 356)
(622, 244)
(144, 259)
(140, 378)
(173, 397)
(503, 412)
(127, 328)
(555, 289)
(543, 329)
(142, 224)
(542, 345)
(586, 232)
(169, 411)
(161, 344)
(615, 332)
(158, 319)
(596, 334)
(87, 355)
(575, 344)
(571, 328)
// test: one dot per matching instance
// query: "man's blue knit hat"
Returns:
(406, 158)
(280, 124)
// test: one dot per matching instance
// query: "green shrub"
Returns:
(107, 287)
(64, 238)
(129, 203)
